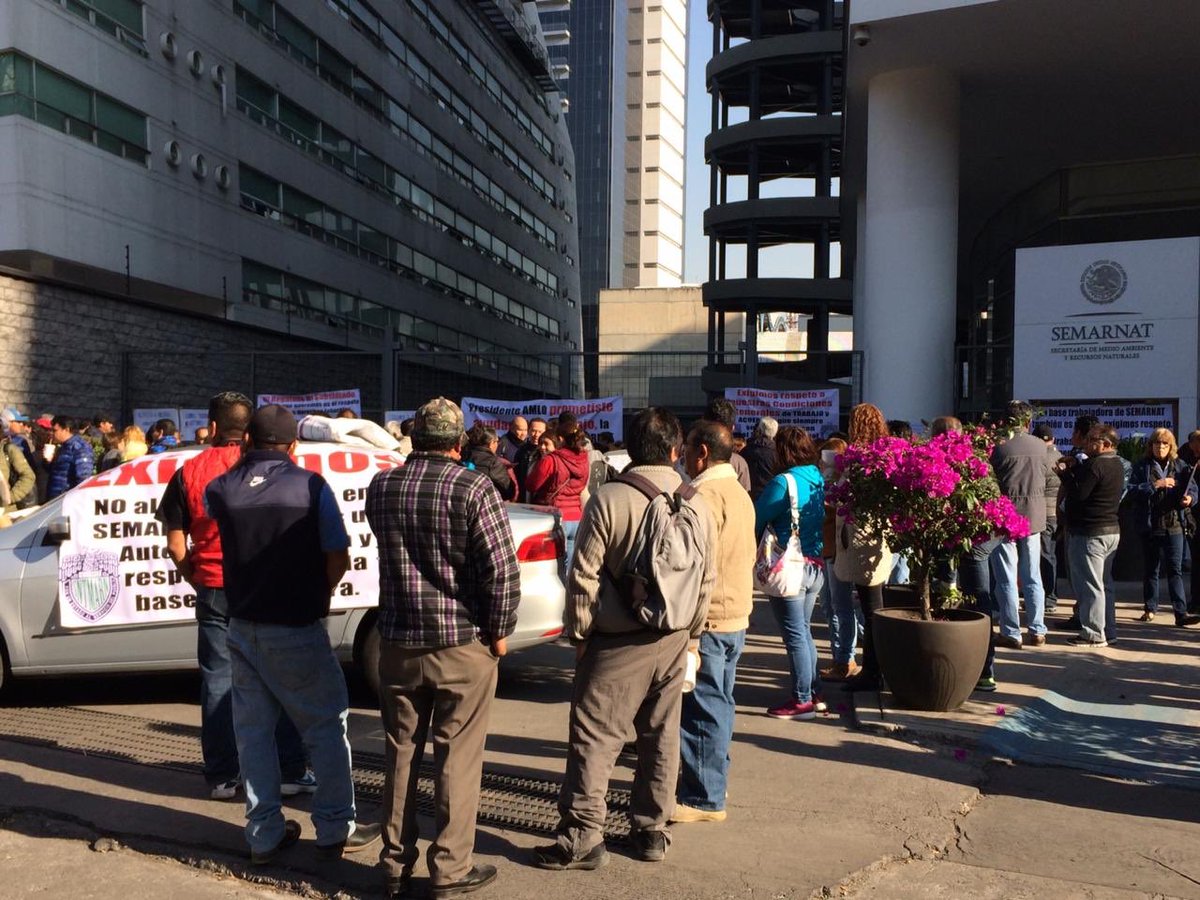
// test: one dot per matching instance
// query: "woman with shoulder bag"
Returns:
(790, 568)
(1165, 493)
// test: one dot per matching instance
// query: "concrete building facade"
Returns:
(352, 174)
(982, 131)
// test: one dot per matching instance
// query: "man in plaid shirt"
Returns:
(448, 593)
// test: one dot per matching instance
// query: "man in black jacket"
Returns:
(760, 455)
(1093, 490)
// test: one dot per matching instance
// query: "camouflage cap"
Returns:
(440, 419)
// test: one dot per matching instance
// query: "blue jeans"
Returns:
(899, 573)
(1091, 561)
(843, 616)
(794, 615)
(1158, 549)
(975, 580)
(569, 531)
(292, 669)
(218, 745)
(706, 722)
(1021, 558)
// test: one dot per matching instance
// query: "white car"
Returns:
(86, 586)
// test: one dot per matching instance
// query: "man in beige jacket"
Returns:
(628, 678)
(706, 726)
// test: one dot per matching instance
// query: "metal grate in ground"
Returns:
(522, 804)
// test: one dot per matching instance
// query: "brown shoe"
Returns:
(1036, 640)
(841, 671)
(1010, 643)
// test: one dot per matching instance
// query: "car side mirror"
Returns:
(58, 530)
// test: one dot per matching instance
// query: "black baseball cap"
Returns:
(273, 424)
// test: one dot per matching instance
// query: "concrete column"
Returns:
(908, 256)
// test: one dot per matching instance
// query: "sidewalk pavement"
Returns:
(897, 804)
(1131, 710)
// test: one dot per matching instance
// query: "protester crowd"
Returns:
(665, 558)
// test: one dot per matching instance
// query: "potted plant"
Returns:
(933, 500)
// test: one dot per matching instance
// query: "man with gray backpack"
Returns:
(637, 597)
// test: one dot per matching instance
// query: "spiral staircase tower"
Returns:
(782, 62)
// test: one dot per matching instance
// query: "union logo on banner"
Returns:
(91, 583)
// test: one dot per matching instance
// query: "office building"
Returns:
(308, 174)
(627, 72)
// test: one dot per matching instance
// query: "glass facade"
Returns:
(268, 107)
(283, 203)
(303, 45)
(596, 89)
(30, 89)
(121, 18)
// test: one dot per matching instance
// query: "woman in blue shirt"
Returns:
(796, 457)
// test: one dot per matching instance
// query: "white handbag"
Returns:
(784, 570)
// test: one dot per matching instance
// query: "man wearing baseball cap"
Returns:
(448, 592)
(285, 549)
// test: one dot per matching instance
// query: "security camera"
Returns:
(861, 35)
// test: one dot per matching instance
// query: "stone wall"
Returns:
(63, 353)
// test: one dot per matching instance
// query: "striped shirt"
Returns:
(447, 566)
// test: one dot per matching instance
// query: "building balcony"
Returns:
(775, 220)
(789, 147)
(789, 69)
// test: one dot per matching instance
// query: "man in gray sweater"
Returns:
(1021, 464)
(628, 678)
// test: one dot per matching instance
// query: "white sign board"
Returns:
(602, 414)
(398, 415)
(322, 403)
(1129, 419)
(1116, 321)
(145, 418)
(815, 411)
(189, 421)
(115, 569)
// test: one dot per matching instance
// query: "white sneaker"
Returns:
(305, 784)
(226, 790)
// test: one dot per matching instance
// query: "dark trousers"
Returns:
(1194, 547)
(623, 682)
(445, 692)
(1050, 564)
(1163, 551)
(975, 580)
(870, 599)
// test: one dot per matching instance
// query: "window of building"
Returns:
(121, 18)
(30, 89)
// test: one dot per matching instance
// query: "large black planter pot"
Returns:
(931, 665)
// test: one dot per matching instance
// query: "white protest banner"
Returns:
(115, 570)
(321, 403)
(1128, 419)
(145, 418)
(398, 415)
(595, 416)
(189, 421)
(815, 411)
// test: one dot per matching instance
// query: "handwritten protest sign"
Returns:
(815, 411)
(321, 403)
(601, 414)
